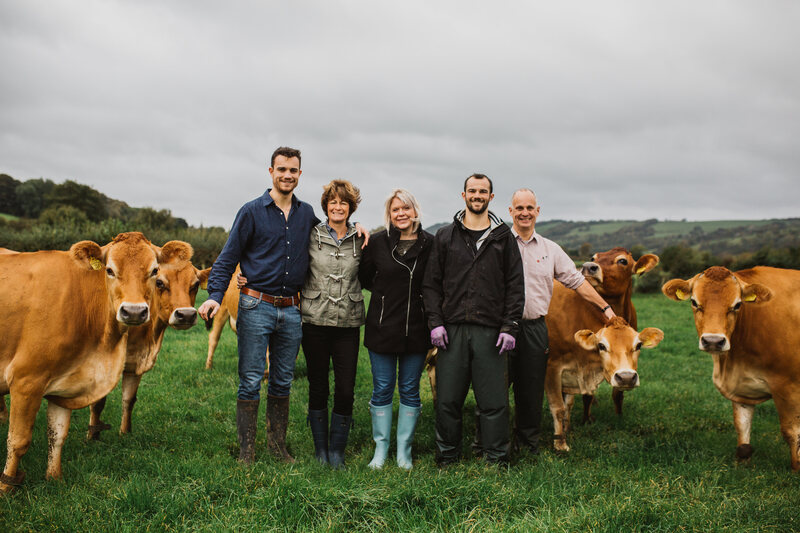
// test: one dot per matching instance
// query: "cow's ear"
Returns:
(646, 263)
(203, 275)
(88, 254)
(586, 339)
(756, 293)
(677, 289)
(651, 337)
(176, 250)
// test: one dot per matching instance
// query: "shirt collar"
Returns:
(534, 236)
(266, 199)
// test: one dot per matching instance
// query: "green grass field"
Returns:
(667, 465)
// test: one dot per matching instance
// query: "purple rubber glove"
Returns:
(505, 341)
(439, 337)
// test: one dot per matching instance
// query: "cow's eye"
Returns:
(109, 273)
(623, 261)
(638, 346)
(736, 306)
(602, 347)
(694, 303)
(154, 273)
(195, 286)
(160, 284)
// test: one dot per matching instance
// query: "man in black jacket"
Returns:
(474, 295)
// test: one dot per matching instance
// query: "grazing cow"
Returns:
(747, 321)
(611, 275)
(64, 319)
(176, 289)
(609, 353)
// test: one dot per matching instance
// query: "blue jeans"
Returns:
(261, 325)
(384, 367)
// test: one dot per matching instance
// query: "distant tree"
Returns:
(32, 194)
(585, 250)
(63, 216)
(149, 218)
(8, 196)
(81, 197)
(637, 251)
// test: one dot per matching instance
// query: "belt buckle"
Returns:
(277, 301)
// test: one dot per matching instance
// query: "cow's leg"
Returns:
(742, 421)
(3, 410)
(789, 415)
(588, 401)
(617, 395)
(266, 367)
(569, 402)
(552, 387)
(57, 428)
(22, 416)
(130, 384)
(215, 334)
(95, 424)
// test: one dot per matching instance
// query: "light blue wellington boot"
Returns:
(381, 432)
(406, 424)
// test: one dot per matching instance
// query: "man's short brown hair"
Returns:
(479, 177)
(345, 190)
(286, 152)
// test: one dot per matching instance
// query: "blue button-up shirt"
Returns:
(272, 251)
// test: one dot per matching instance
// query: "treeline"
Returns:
(53, 216)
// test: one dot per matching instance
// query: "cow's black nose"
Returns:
(626, 378)
(185, 315)
(134, 313)
(713, 342)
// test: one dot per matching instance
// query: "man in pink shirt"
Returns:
(542, 262)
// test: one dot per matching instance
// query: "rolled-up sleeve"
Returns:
(564, 269)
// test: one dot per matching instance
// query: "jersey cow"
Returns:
(610, 353)
(176, 289)
(64, 318)
(747, 321)
(611, 274)
(227, 314)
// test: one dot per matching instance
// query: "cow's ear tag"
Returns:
(680, 294)
(640, 271)
(95, 263)
(750, 298)
(649, 342)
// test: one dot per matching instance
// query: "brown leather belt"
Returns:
(277, 301)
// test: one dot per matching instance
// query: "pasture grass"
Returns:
(666, 465)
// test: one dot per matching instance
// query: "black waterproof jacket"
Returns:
(465, 285)
(395, 319)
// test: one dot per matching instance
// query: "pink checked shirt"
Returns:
(542, 261)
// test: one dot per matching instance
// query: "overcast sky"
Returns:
(637, 109)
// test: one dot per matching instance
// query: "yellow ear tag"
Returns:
(96, 264)
(204, 285)
(680, 294)
(641, 270)
(648, 343)
(750, 298)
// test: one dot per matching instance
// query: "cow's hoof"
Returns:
(560, 444)
(8, 484)
(589, 419)
(744, 452)
(94, 431)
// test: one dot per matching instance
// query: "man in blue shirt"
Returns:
(269, 239)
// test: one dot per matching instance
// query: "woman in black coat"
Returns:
(396, 333)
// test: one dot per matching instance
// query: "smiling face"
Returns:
(524, 210)
(338, 211)
(285, 174)
(477, 195)
(401, 215)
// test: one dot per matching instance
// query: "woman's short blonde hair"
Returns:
(346, 192)
(408, 199)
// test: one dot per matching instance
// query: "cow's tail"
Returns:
(209, 323)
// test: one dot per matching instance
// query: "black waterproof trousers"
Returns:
(527, 365)
(321, 345)
(471, 356)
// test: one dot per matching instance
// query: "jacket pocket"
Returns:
(247, 302)
(311, 303)
(356, 305)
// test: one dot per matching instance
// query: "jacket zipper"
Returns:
(410, 279)
(380, 319)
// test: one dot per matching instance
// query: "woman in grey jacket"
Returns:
(332, 307)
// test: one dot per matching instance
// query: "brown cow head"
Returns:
(618, 345)
(177, 284)
(717, 297)
(130, 262)
(610, 272)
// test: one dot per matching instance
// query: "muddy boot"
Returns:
(246, 421)
(318, 420)
(277, 423)
(340, 431)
